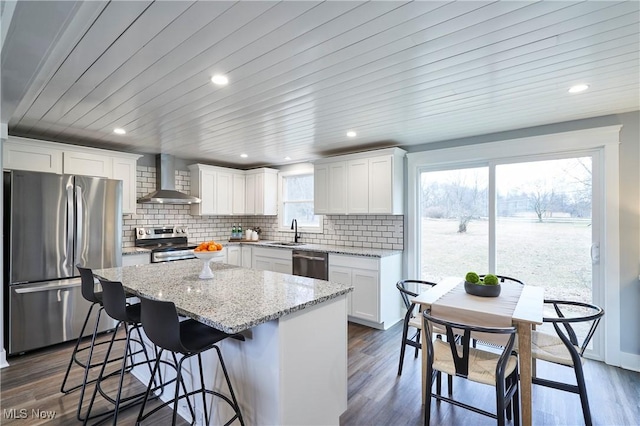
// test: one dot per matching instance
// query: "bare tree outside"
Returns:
(541, 199)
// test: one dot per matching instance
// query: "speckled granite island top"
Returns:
(234, 300)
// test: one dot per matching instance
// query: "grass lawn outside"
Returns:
(554, 254)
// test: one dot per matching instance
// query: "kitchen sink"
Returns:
(286, 244)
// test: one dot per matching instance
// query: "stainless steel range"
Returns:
(167, 244)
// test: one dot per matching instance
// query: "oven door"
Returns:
(171, 255)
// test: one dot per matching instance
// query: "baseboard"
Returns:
(3, 359)
(377, 325)
(630, 361)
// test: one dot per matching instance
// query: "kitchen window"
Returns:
(296, 200)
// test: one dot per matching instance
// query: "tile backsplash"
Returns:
(370, 231)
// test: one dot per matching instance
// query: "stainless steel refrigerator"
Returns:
(51, 224)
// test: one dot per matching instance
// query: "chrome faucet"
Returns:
(294, 225)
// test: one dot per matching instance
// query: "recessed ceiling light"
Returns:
(352, 134)
(219, 79)
(578, 88)
(243, 155)
(287, 158)
(119, 131)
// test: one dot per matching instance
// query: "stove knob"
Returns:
(182, 230)
(140, 231)
(148, 231)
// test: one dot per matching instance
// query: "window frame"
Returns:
(300, 170)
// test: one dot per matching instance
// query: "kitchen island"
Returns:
(292, 367)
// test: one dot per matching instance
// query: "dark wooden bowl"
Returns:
(482, 290)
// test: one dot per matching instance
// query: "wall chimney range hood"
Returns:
(166, 185)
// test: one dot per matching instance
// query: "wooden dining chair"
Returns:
(457, 357)
(565, 348)
(413, 319)
(412, 316)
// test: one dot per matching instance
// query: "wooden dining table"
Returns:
(526, 314)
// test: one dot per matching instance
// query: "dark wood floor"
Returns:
(377, 395)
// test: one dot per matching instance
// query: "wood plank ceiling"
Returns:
(302, 74)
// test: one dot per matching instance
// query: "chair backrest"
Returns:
(504, 278)
(405, 293)
(459, 337)
(570, 339)
(114, 299)
(161, 324)
(88, 284)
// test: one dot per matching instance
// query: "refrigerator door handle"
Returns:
(46, 288)
(70, 227)
(79, 226)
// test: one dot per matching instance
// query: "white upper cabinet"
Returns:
(358, 186)
(125, 170)
(364, 183)
(214, 186)
(337, 187)
(87, 164)
(51, 157)
(321, 189)
(224, 192)
(329, 188)
(238, 194)
(227, 192)
(261, 196)
(35, 156)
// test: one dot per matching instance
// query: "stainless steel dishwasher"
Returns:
(312, 264)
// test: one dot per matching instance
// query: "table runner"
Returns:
(458, 306)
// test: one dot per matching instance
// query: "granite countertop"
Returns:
(234, 300)
(353, 251)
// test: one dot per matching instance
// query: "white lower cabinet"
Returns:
(136, 259)
(247, 257)
(268, 259)
(221, 259)
(375, 301)
(234, 254)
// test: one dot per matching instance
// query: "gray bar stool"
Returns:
(188, 338)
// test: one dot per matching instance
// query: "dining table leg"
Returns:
(424, 367)
(524, 351)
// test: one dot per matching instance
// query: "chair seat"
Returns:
(482, 364)
(549, 347)
(133, 313)
(415, 322)
(196, 336)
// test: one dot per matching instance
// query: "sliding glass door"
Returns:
(530, 220)
(544, 225)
